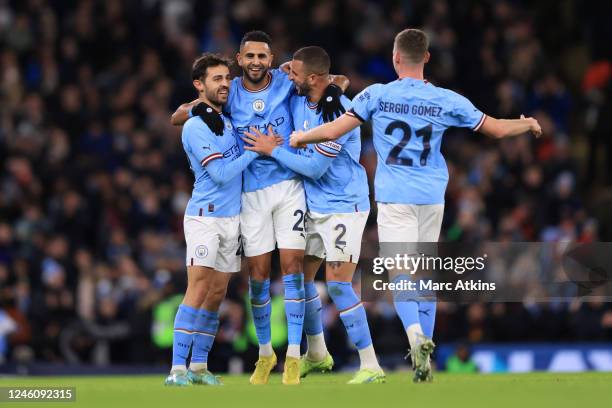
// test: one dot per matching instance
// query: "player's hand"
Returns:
(260, 143)
(534, 126)
(329, 106)
(211, 117)
(294, 140)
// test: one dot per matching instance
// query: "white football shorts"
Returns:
(335, 237)
(273, 216)
(409, 222)
(213, 242)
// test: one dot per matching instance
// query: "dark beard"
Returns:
(255, 81)
(214, 99)
(302, 90)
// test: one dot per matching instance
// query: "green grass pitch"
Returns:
(329, 390)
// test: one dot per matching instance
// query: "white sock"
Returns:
(293, 350)
(412, 331)
(178, 368)
(266, 349)
(198, 366)
(368, 358)
(317, 350)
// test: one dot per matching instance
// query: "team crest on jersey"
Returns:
(201, 251)
(259, 105)
(306, 124)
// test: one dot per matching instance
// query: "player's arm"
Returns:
(312, 167)
(500, 128)
(183, 113)
(222, 171)
(285, 67)
(202, 143)
(326, 132)
(465, 114)
(341, 81)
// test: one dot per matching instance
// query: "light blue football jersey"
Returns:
(343, 187)
(409, 117)
(260, 109)
(202, 147)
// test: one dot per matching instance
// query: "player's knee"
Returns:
(259, 268)
(259, 273)
(197, 290)
(196, 282)
(294, 264)
(215, 296)
(336, 271)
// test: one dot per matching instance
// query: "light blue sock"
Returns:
(312, 317)
(294, 307)
(205, 330)
(406, 306)
(259, 292)
(183, 334)
(351, 312)
(427, 316)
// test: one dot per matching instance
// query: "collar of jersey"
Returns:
(310, 105)
(414, 80)
(259, 90)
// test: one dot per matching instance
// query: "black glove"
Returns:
(330, 105)
(210, 116)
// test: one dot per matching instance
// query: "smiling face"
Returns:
(215, 84)
(255, 59)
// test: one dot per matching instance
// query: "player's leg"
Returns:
(313, 325)
(258, 243)
(259, 293)
(291, 263)
(202, 244)
(342, 240)
(207, 322)
(288, 217)
(205, 330)
(261, 308)
(399, 223)
(317, 358)
(430, 223)
(184, 323)
(353, 316)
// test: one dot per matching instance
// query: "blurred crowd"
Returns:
(94, 182)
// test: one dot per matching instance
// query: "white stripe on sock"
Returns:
(368, 358)
(178, 368)
(266, 349)
(293, 350)
(198, 366)
(317, 350)
(412, 331)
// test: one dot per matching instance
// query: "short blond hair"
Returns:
(412, 44)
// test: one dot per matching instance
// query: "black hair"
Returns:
(206, 60)
(258, 36)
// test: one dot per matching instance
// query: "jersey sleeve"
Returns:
(312, 167)
(463, 113)
(294, 101)
(201, 142)
(283, 77)
(222, 172)
(364, 104)
(231, 97)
